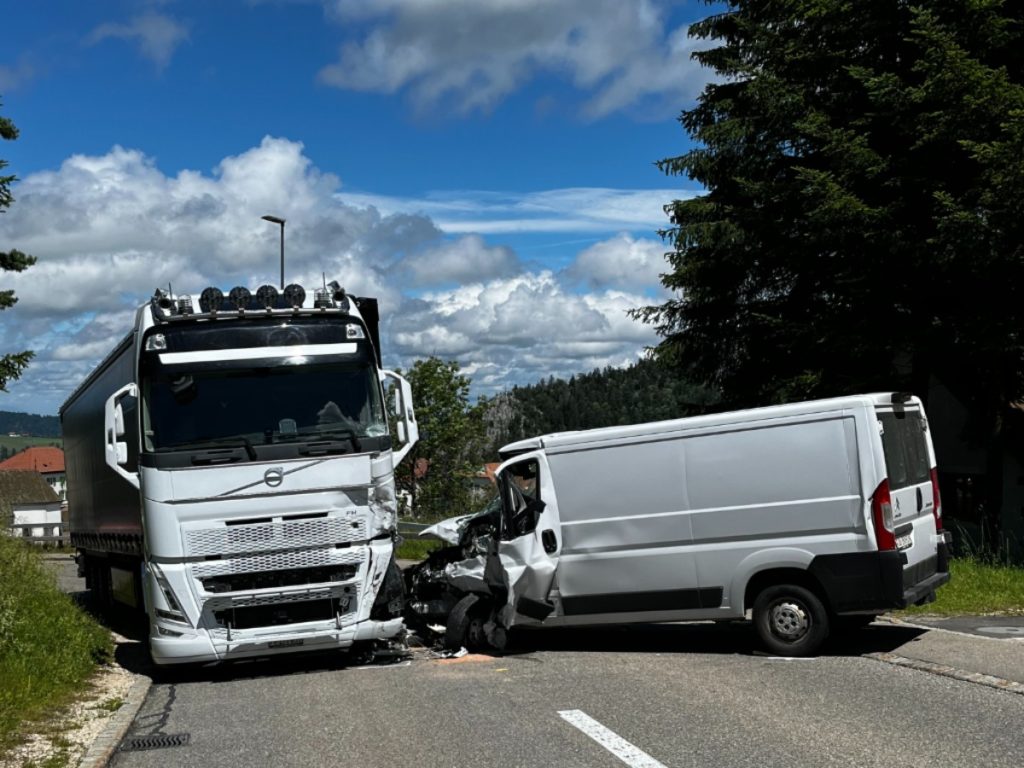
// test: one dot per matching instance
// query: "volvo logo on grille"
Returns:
(273, 476)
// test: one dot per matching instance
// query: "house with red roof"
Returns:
(47, 461)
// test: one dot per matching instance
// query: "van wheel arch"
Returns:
(761, 580)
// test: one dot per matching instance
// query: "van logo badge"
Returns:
(273, 476)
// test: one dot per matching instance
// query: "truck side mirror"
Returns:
(400, 398)
(119, 426)
(116, 451)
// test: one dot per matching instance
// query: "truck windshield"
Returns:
(233, 389)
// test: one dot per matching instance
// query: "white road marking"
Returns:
(631, 755)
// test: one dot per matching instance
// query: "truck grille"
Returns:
(276, 535)
(242, 582)
(322, 557)
(255, 611)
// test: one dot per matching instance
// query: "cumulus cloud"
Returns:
(156, 35)
(467, 259)
(623, 261)
(521, 329)
(109, 229)
(622, 53)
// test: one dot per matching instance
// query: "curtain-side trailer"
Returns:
(231, 471)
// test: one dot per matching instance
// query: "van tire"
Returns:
(463, 624)
(790, 620)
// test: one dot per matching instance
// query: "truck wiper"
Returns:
(244, 441)
(235, 442)
(341, 432)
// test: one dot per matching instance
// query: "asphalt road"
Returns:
(685, 695)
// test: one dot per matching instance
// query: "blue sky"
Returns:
(485, 168)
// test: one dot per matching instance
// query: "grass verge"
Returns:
(48, 645)
(417, 549)
(976, 586)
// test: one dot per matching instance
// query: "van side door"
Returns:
(529, 540)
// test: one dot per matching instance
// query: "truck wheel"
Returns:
(790, 620)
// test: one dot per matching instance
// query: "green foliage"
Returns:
(438, 472)
(645, 391)
(48, 646)
(978, 586)
(863, 225)
(11, 365)
(416, 549)
(29, 424)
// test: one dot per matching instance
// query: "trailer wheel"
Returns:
(790, 620)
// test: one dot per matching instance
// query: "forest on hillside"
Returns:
(29, 424)
(645, 391)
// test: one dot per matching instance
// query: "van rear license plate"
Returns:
(904, 541)
(285, 643)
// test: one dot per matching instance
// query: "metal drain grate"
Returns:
(155, 741)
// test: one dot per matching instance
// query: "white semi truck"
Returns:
(231, 470)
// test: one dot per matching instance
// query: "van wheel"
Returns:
(464, 625)
(790, 620)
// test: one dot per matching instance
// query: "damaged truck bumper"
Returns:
(202, 648)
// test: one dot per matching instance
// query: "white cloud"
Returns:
(521, 329)
(464, 260)
(622, 53)
(574, 209)
(623, 261)
(107, 230)
(157, 36)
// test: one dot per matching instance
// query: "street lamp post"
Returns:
(278, 220)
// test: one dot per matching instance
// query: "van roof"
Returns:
(612, 434)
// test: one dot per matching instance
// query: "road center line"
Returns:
(628, 753)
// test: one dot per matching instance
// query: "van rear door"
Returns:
(908, 458)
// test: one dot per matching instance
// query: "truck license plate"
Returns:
(904, 541)
(285, 643)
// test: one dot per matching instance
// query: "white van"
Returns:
(810, 515)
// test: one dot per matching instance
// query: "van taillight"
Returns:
(936, 500)
(881, 512)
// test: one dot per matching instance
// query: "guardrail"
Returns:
(23, 531)
(405, 528)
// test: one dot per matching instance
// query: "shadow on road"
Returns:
(705, 637)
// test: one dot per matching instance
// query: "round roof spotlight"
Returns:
(266, 296)
(338, 295)
(164, 300)
(239, 297)
(294, 295)
(210, 299)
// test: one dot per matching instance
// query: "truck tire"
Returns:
(790, 620)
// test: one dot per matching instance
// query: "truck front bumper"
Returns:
(198, 648)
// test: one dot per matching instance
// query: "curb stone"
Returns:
(998, 683)
(103, 748)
